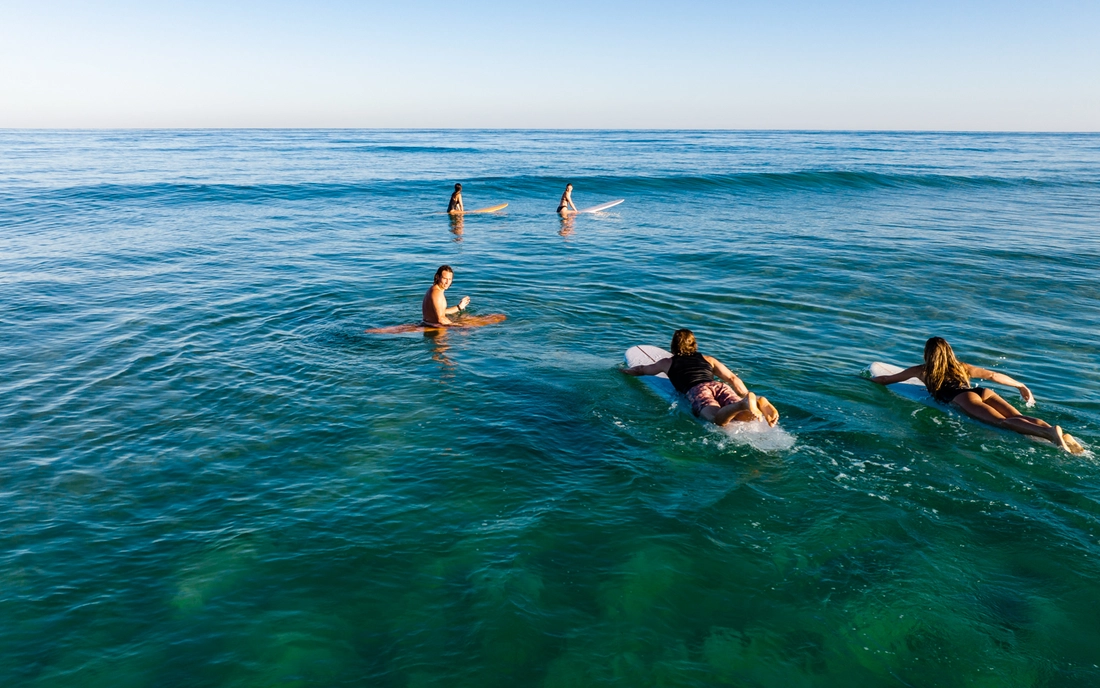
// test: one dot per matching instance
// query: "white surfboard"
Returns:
(601, 207)
(757, 434)
(912, 388)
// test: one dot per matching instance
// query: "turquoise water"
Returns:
(212, 476)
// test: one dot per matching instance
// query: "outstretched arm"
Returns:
(916, 371)
(1000, 379)
(657, 368)
(726, 375)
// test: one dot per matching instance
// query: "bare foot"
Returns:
(771, 414)
(1059, 439)
(738, 411)
(754, 408)
(1072, 445)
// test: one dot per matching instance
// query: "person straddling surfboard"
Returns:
(692, 374)
(566, 201)
(948, 381)
(455, 206)
(434, 306)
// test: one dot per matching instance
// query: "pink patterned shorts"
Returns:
(707, 393)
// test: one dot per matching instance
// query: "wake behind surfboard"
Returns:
(757, 434)
(466, 322)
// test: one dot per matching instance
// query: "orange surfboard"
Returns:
(465, 322)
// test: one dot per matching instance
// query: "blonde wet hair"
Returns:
(683, 343)
(942, 368)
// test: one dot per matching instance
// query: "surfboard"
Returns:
(757, 434)
(600, 207)
(914, 389)
(467, 321)
(490, 209)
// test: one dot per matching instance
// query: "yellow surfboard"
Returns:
(490, 209)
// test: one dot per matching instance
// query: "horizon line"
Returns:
(568, 129)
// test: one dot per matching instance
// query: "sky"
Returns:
(707, 64)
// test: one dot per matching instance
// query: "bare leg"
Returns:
(994, 400)
(1072, 445)
(744, 410)
(745, 416)
(972, 405)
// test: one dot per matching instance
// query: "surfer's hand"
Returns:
(463, 303)
(1025, 393)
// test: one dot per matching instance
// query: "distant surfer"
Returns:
(455, 206)
(434, 306)
(692, 374)
(566, 201)
(948, 381)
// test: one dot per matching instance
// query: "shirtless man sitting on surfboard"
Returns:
(455, 206)
(692, 374)
(434, 307)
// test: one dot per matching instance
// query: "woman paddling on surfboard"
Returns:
(948, 381)
(566, 201)
(692, 374)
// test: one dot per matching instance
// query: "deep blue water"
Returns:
(212, 476)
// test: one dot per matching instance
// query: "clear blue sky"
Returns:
(767, 65)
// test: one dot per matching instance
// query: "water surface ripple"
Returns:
(212, 476)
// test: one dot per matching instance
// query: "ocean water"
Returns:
(212, 476)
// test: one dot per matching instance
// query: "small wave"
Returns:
(528, 185)
(202, 193)
(797, 180)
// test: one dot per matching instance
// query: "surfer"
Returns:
(434, 306)
(566, 201)
(455, 206)
(948, 381)
(692, 374)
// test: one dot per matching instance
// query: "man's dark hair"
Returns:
(442, 269)
(458, 187)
